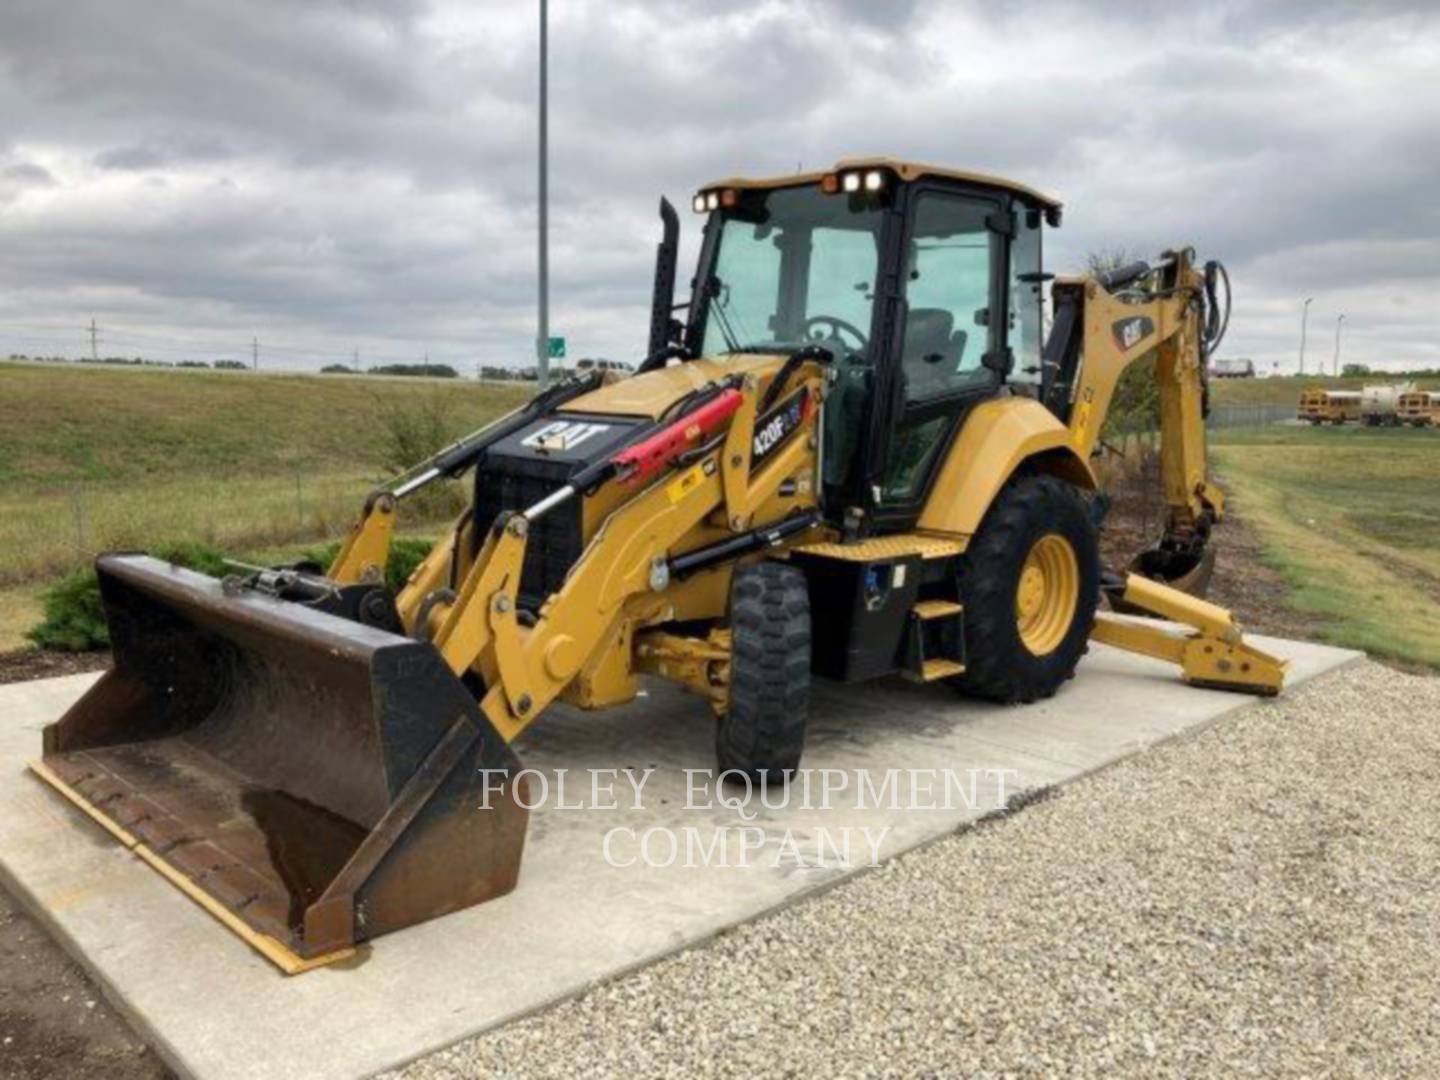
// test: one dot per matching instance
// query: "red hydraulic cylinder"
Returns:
(650, 456)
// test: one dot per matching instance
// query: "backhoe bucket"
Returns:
(311, 781)
(1190, 575)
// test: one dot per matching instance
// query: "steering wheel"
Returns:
(837, 327)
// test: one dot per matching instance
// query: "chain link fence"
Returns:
(51, 532)
(1224, 417)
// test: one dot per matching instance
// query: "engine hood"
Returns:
(651, 393)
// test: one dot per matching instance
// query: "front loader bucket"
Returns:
(311, 781)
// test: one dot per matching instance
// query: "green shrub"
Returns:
(74, 618)
(74, 621)
(414, 429)
(1135, 408)
(406, 553)
(194, 555)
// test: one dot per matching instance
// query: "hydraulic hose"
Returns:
(1120, 276)
(1217, 320)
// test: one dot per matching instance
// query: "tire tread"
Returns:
(763, 728)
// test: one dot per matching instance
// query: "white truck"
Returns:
(1379, 403)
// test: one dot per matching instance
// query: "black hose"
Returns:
(1216, 323)
(1120, 276)
(817, 353)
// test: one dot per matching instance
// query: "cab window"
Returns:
(1025, 297)
(792, 267)
(845, 289)
(950, 259)
(747, 282)
(950, 272)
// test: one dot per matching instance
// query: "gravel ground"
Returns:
(1259, 898)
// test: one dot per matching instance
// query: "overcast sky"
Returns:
(334, 176)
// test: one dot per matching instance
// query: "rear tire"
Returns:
(762, 732)
(1032, 572)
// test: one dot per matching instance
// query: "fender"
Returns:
(998, 437)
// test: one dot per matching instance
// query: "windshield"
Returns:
(793, 266)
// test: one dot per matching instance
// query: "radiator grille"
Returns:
(555, 540)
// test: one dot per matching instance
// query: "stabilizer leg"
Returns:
(1215, 654)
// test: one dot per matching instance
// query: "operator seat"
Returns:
(933, 348)
(845, 412)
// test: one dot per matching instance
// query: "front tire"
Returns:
(762, 731)
(1030, 584)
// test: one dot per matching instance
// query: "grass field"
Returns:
(1351, 517)
(98, 458)
(1286, 390)
(95, 458)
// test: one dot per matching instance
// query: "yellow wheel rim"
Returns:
(1047, 594)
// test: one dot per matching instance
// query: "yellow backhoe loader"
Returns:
(852, 457)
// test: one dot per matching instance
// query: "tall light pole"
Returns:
(542, 339)
(1338, 323)
(1304, 316)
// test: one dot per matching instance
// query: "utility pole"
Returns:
(94, 341)
(1338, 323)
(255, 354)
(1304, 315)
(542, 339)
(357, 358)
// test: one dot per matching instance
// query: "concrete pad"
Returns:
(215, 1009)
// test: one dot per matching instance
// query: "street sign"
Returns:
(557, 348)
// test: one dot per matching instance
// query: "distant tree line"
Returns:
(137, 361)
(429, 371)
(1358, 371)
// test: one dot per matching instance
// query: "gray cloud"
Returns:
(350, 174)
(27, 174)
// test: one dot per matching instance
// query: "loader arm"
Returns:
(526, 667)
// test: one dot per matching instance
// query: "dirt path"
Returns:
(53, 1021)
(27, 664)
(1255, 592)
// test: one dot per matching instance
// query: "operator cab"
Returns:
(924, 284)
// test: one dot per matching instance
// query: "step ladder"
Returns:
(934, 643)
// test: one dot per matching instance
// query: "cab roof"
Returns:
(906, 170)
